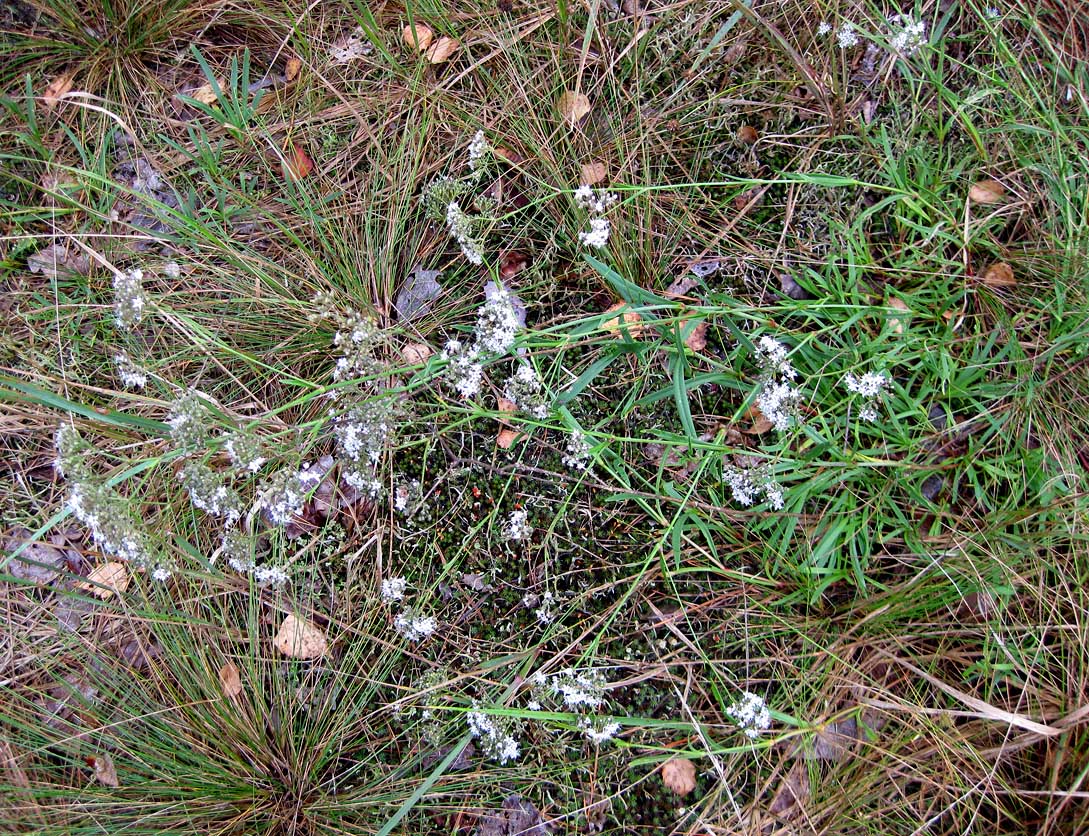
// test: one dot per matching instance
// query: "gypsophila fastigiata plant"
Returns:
(777, 397)
(188, 422)
(497, 735)
(751, 714)
(596, 203)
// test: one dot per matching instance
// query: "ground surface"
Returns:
(521, 418)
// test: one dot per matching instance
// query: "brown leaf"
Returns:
(418, 36)
(697, 337)
(297, 163)
(793, 792)
(204, 94)
(57, 88)
(999, 274)
(679, 774)
(300, 639)
(506, 406)
(508, 154)
(511, 263)
(760, 424)
(38, 562)
(572, 107)
(441, 50)
(747, 134)
(986, 192)
(291, 71)
(506, 438)
(230, 679)
(105, 771)
(414, 354)
(106, 580)
(593, 173)
(628, 321)
(895, 322)
(55, 260)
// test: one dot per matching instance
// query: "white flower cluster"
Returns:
(393, 589)
(518, 527)
(410, 623)
(544, 607)
(462, 228)
(497, 325)
(364, 431)
(751, 714)
(130, 300)
(748, 484)
(130, 374)
(871, 388)
(210, 493)
(245, 451)
(846, 36)
(408, 499)
(598, 729)
(577, 454)
(282, 495)
(526, 392)
(777, 400)
(413, 626)
(479, 150)
(464, 369)
(495, 734)
(906, 35)
(358, 337)
(106, 514)
(188, 421)
(596, 203)
(237, 548)
(578, 689)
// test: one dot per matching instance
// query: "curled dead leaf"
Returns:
(793, 792)
(416, 353)
(747, 134)
(593, 173)
(440, 51)
(106, 580)
(506, 406)
(986, 192)
(291, 71)
(999, 274)
(300, 639)
(679, 775)
(230, 679)
(572, 107)
(105, 771)
(205, 94)
(760, 424)
(696, 338)
(56, 89)
(625, 321)
(418, 36)
(508, 154)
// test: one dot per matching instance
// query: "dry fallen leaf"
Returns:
(297, 163)
(986, 192)
(230, 679)
(57, 88)
(593, 173)
(292, 68)
(416, 353)
(793, 792)
(999, 274)
(572, 107)
(300, 639)
(204, 94)
(506, 438)
(508, 154)
(679, 774)
(627, 322)
(697, 337)
(441, 50)
(760, 424)
(55, 260)
(418, 36)
(106, 580)
(895, 322)
(748, 134)
(105, 771)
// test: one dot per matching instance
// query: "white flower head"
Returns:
(393, 589)
(496, 735)
(751, 714)
(846, 37)
(413, 626)
(598, 234)
(598, 730)
(906, 35)
(824, 29)
(130, 300)
(518, 527)
(130, 374)
(462, 229)
(479, 149)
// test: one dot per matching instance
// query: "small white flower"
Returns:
(771, 355)
(518, 527)
(393, 589)
(130, 300)
(751, 714)
(824, 29)
(577, 455)
(598, 730)
(172, 270)
(598, 234)
(478, 152)
(160, 573)
(778, 402)
(413, 626)
(846, 37)
(495, 735)
(907, 35)
(870, 385)
(128, 372)
(270, 576)
(460, 226)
